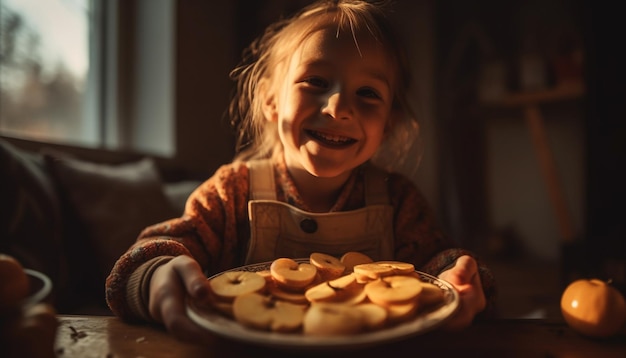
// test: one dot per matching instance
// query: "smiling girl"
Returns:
(321, 102)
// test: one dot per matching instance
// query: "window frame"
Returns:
(128, 94)
(139, 76)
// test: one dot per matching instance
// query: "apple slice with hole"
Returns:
(267, 313)
(231, 284)
(292, 274)
(390, 290)
(329, 267)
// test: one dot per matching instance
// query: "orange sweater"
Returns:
(214, 230)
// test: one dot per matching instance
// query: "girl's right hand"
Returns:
(170, 286)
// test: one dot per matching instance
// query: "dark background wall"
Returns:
(606, 135)
(479, 169)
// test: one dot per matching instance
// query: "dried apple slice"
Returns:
(231, 284)
(290, 273)
(375, 316)
(392, 290)
(329, 267)
(353, 258)
(339, 289)
(267, 313)
(378, 269)
(431, 294)
(332, 319)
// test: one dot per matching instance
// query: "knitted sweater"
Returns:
(214, 230)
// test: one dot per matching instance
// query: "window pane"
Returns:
(44, 67)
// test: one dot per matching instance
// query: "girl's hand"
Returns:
(465, 278)
(170, 286)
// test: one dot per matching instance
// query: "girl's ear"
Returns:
(268, 102)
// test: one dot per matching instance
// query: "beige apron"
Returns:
(278, 229)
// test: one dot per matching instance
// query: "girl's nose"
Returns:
(338, 106)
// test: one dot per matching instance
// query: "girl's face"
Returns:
(333, 104)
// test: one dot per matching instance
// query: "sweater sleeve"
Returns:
(210, 231)
(138, 288)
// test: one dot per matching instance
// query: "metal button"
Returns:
(308, 225)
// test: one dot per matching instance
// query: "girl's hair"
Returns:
(261, 61)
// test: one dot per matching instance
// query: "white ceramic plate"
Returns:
(425, 321)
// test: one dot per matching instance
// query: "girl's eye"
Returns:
(368, 92)
(316, 82)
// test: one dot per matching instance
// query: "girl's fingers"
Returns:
(176, 280)
(465, 271)
(176, 321)
(465, 278)
(194, 280)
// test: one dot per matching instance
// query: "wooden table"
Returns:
(105, 336)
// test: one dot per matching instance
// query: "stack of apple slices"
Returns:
(326, 297)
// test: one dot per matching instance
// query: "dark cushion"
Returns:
(30, 215)
(178, 192)
(107, 206)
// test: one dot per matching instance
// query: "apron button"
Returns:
(308, 225)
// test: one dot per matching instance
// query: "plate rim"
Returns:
(231, 329)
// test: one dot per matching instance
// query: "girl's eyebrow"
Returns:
(315, 63)
(371, 73)
(379, 76)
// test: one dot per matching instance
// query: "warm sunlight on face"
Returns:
(334, 103)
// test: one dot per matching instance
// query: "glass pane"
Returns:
(44, 65)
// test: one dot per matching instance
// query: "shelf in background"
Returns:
(566, 91)
(530, 102)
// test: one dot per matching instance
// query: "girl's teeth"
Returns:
(332, 138)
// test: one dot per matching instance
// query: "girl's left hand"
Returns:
(465, 278)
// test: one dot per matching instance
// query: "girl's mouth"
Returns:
(330, 140)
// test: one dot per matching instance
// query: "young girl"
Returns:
(321, 99)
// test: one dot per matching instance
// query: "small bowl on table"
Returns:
(30, 329)
(39, 288)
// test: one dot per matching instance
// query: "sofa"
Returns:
(71, 218)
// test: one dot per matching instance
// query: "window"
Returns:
(44, 70)
(91, 73)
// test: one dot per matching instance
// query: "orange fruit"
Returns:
(593, 307)
(13, 283)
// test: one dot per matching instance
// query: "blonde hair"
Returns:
(258, 137)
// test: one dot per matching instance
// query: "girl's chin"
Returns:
(327, 167)
(323, 162)
(323, 153)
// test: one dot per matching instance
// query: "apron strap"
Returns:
(261, 180)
